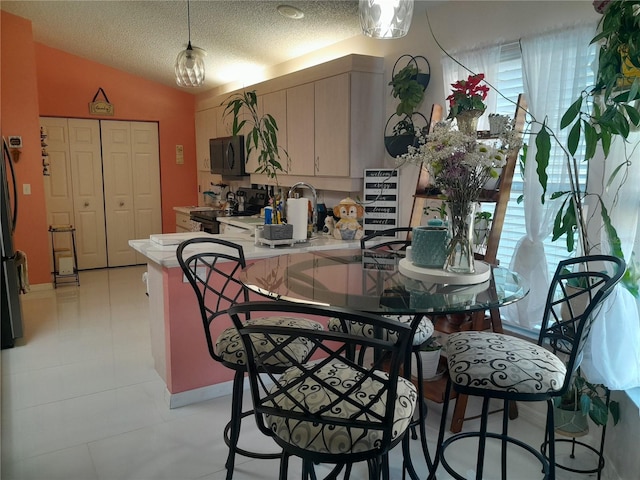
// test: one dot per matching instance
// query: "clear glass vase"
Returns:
(460, 250)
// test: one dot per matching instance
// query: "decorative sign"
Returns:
(100, 107)
(380, 199)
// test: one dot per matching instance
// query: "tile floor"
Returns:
(82, 401)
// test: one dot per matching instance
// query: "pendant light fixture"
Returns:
(385, 18)
(190, 62)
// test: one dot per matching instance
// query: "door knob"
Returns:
(122, 204)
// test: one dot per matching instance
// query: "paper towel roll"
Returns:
(297, 215)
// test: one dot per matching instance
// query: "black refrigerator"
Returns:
(11, 313)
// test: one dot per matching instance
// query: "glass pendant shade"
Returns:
(385, 18)
(190, 67)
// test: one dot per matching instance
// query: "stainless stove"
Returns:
(254, 200)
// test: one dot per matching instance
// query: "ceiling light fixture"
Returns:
(385, 18)
(290, 12)
(190, 62)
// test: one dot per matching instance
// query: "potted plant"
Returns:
(619, 58)
(604, 111)
(466, 102)
(582, 400)
(429, 353)
(481, 227)
(408, 86)
(262, 136)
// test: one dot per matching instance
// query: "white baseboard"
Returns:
(177, 400)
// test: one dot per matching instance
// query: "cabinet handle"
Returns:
(86, 204)
(316, 164)
(122, 204)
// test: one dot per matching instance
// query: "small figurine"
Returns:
(329, 225)
(348, 227)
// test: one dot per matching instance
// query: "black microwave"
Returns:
(227, 156)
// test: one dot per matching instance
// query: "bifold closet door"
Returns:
(73, 190)
(131, 172)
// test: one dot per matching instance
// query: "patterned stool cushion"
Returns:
(229, 345)
(494, 361)
(423, 332)
(335, 440)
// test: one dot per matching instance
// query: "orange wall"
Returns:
(66, 85)
(41, 81)
(19, 97)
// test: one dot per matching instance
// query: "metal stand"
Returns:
(60, 277)
(598, 453)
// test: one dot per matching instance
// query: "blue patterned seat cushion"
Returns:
(335, 439)
(423, 332)
(229, 345)
(494, 361)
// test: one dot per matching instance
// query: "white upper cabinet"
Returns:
(206, 128)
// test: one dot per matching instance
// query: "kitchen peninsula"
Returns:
(178, 345)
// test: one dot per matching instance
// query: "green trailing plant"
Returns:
(590, 399)
(407, 89)
(262, 136)
(604, 111)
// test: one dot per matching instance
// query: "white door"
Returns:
(118, 192)
(58, 186)
(131, 168)
(88, 200)
(145, 167)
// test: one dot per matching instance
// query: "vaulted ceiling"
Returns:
(144, 37)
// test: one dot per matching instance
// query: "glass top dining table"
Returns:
(370, 281)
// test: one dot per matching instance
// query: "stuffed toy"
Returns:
(348, 227)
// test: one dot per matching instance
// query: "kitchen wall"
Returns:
(19, 116)
(41, 81)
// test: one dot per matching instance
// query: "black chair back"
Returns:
(211, 266)
(327, 408)
(379, 240)
(576, 294)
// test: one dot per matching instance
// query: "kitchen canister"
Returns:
(429, 246)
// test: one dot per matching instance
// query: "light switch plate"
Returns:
(26, 188)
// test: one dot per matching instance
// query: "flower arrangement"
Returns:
(458, 164)
(467, 95)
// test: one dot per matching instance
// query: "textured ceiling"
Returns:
(144, 37)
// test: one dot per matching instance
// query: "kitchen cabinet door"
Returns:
(300, 130)
(332, 122)
(274, 104)
(206, 124)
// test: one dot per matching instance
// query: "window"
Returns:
(510, 84)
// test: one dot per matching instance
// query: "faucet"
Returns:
(314, 212)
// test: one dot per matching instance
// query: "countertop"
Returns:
(190, 208)
(163, 250)
(242, 222)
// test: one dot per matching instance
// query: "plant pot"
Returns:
(430, 359)
(629, 71)
(570, 423)
(481, 229)
(397, 145)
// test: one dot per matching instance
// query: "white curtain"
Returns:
(613, 354)
(484, 60)
(553, 70)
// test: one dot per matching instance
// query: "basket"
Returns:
(278, 232)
